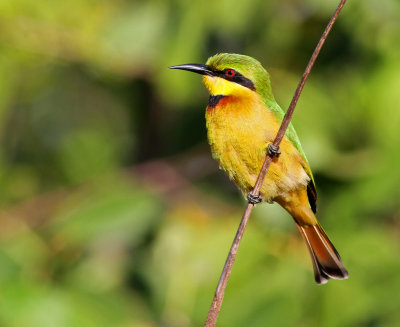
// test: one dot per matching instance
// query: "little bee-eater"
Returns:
(242, 121)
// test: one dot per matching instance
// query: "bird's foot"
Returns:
(253, 199)
(273, 151)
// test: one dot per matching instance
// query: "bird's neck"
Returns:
(232, 114)
(234, 108)
(214, 100)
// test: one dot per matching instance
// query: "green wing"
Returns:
(292, 136)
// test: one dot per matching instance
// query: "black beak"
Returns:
(195, 68)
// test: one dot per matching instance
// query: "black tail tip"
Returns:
(323, 275)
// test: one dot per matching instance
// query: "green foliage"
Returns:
(112, 211)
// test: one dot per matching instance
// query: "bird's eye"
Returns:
(230, 72)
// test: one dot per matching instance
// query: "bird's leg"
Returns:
(273, 151)
(253, 199)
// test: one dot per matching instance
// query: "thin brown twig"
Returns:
(220, 290)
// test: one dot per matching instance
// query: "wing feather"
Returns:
(292, 136)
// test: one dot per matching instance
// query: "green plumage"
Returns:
(242, 121)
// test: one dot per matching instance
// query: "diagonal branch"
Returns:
(220, 290)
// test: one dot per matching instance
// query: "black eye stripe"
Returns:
(223, 73)
(236, 78)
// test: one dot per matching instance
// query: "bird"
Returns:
(242, 120)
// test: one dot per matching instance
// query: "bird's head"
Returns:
(232, 74)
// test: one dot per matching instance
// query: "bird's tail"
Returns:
(326, 260)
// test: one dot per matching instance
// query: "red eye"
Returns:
(230, 72)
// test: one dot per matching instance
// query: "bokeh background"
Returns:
(112, 210)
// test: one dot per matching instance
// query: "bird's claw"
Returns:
(273, 151)
(254, 199)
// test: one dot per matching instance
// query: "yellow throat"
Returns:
(218, 85)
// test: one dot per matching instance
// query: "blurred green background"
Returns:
(113, 212)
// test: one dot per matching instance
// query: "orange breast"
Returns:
(239, 131)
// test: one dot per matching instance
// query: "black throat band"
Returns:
(214, 99)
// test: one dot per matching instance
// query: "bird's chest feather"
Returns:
(239, 131)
